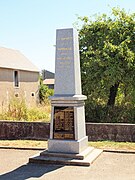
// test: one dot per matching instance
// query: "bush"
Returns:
(109, 114)
(44, 93)
(38, 114)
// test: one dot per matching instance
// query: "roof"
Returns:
(13, 59)
(47, 74)
(48, 81)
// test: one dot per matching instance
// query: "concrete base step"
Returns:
(85, 158)
(80, 156)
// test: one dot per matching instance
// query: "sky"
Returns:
(30, 25)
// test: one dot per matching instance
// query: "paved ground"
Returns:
(109, 166)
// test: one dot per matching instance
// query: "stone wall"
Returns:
(24, 130)
(40, 131)
(110, 131)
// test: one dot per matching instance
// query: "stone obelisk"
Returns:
(68, 143)
(67, 133)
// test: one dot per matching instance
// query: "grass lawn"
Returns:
(113, 145)
(43, 144)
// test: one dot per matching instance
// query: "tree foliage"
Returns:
(44, 92)
(107, 54)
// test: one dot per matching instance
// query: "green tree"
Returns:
(44, 92)
(107, 51)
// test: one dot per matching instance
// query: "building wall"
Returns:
(28, 87)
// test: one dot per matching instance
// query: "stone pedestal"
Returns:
(72, 138)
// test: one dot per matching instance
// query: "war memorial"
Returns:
(68, 143)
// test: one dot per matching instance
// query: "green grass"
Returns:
(113, 145)
(43, 144)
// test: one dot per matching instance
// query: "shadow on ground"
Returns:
(29, 171)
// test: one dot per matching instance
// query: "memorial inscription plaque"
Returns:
(63, 123)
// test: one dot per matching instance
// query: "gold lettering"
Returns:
(64, 58)
(64, 49)
(65, 38)
(64, 64)
(63, 53)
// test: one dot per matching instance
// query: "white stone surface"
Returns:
(68, 97)
(67, 146)
(67, 63)
(79, 121)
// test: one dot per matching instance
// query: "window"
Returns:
(16, 95)
(16, 79)
(33, 94)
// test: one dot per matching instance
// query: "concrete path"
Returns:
(109, 166)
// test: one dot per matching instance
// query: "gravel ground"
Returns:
(108, 166)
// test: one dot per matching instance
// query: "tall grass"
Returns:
(18, 111)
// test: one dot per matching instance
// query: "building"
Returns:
(49, 83)
(19, 78)
(48, 79)
(47, 74)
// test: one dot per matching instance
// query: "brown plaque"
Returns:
(63, 123)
